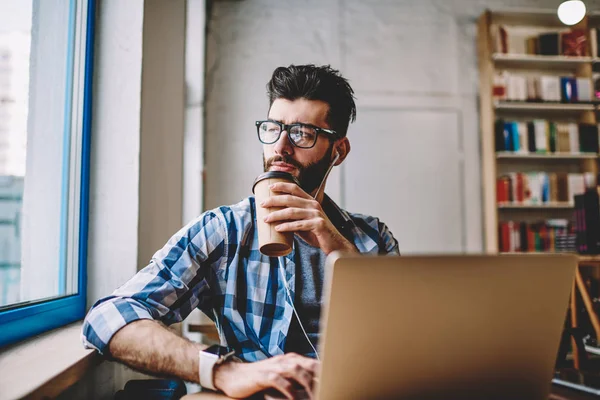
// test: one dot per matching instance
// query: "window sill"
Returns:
(46, 365)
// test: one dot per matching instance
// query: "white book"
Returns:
(533, 83)
(511, 230)
(550, 88)
(522, 87)
(535, 187)
(513, 88)
(590, 180)
(540, 128)
(574, 137)
(517, 237)
(576, 185)
(523, 145)
(584, 89)
(517, 42)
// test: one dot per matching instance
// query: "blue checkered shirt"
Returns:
(214, 264)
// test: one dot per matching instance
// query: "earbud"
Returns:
(337, 156)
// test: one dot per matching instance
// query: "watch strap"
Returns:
(207, 362)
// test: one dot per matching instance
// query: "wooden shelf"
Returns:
(526, 106)
(553, 156)
(550, 206)
(589, 258)
(592, 258)
(539, 62)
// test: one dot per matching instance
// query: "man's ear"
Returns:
(342, 147)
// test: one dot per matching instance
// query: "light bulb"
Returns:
(571, 12)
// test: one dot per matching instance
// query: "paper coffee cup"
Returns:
(271, 243)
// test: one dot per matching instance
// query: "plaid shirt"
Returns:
(214, 264)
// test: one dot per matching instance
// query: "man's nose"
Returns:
(284, 145)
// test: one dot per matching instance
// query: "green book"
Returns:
(552, 137)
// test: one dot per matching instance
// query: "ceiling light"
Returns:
(571, 12)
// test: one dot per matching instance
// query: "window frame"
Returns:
(32, 318)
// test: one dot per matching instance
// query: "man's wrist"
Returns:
(222, 373)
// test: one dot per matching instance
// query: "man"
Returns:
(214, 263)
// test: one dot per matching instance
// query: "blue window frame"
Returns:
(31, 317)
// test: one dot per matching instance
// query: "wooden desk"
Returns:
(558, 393)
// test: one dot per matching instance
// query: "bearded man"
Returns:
(214, 264)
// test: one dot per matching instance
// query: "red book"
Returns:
(530, 239)
(504, 237)
(520, 195)
(574, 43)
(501, 190)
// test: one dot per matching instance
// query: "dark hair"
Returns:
(316, 83)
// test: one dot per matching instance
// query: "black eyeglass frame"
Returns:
(285, 127)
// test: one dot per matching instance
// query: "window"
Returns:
(45, 113)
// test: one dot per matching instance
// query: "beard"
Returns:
(310, 176)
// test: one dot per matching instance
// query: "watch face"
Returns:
(217, 350)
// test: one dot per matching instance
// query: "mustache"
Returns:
(283, 159)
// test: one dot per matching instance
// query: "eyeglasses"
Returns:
(301, 135)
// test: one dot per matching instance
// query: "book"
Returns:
(584, 89)
(574, 43)
(556, 235)
(587, 220)
(531, 137)
(532, 45)
(594, 42)
(541, 135)
(562, 138)
(568, 89)
(533, 88)
(549, 44)
(499, 86)
(573, 137)
(550, 88)
(501, 40)
(552, 137)
(500, 135)
(576, 185)
(588, 138)
(562, 186)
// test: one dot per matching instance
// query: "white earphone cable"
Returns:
(287, 289)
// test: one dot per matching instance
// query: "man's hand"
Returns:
(282, 373)
(303, 215)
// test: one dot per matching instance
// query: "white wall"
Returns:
(114, 168)
(413, 65)
(136, 150)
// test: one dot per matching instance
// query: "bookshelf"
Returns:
(502, 60)
(535, 206)
(552, 157)
(498, 32)
(554, 107)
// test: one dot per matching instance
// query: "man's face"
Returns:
(307, 165)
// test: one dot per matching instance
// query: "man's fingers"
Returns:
(290, 188)
(283, 385)
(289, 200)
(300, 375)
(296, 226)
(291, 214)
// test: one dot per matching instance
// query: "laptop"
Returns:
(442, 327)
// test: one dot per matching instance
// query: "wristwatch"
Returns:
(209, 359)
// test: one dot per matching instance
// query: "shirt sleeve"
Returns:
(388, 244)
(168, 289)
